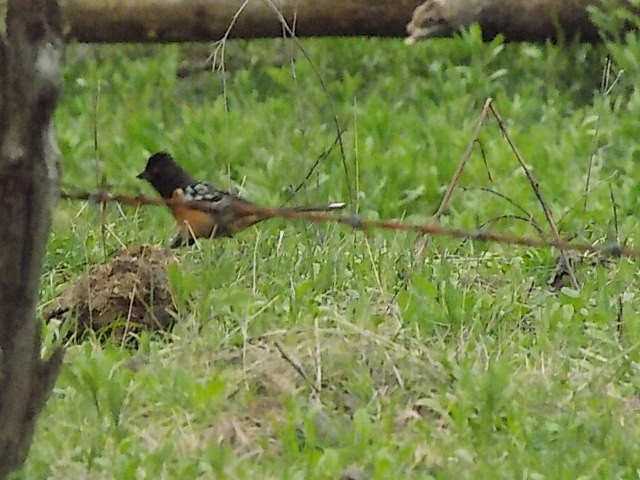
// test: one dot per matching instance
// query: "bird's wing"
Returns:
(206, 192)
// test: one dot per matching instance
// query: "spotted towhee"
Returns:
(173, 183)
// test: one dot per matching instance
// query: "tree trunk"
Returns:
(30, 59)
(516, 20)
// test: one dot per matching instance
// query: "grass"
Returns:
(461, 363)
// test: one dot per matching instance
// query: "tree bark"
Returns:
(516, 20)
(30, 60)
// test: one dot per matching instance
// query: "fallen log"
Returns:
(197, 20)
(97, 21)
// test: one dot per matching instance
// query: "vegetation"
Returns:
(456, 362)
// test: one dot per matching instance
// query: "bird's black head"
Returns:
(164, 174)
(156, 165)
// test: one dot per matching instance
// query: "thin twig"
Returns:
(296, 367)
(219, 50)
(320, 158)
(620, 318)
(606, 86)
(446, 198)
(484, 160)
(101, 179)
(604, 81)
(532, 220)
(318, 356)
(614, 207)
(536, 191)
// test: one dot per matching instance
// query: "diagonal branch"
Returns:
(536, 190)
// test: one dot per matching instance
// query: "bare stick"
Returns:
(296, 367)
(536, 191)
(446, 198)
(101, 180)
(320, 158)
(318, 356)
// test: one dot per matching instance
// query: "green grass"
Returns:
(457, 364)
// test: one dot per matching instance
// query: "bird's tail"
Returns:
(248, 220)
(320, 208)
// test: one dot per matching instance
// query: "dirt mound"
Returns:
(127, 294)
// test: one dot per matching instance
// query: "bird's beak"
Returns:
(142, 175)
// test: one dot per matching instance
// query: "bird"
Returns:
(224, 219)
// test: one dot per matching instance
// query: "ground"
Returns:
(319, 351)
